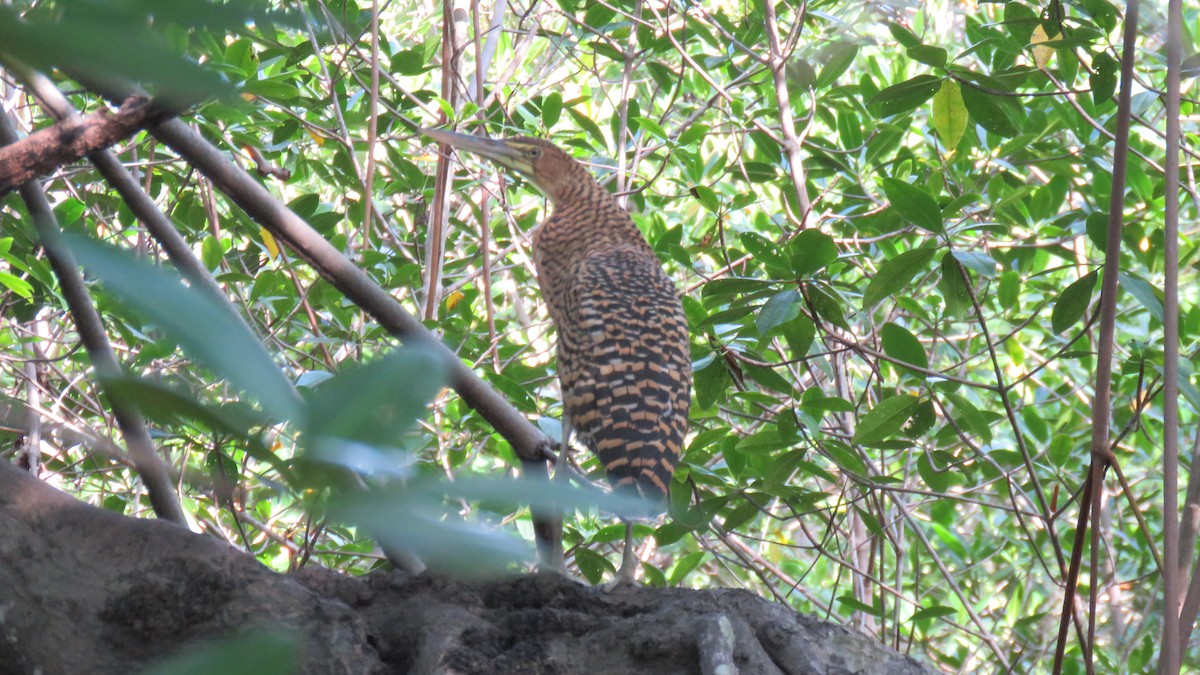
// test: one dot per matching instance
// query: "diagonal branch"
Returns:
(45, 150)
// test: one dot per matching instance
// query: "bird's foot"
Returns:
(618, 582)
(627, 574)
(560, 571)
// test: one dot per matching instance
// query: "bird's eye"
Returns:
(534, 153)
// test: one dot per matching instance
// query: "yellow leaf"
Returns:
(453, 299)
(317, 138)
(949, 114)
(269, 241)
(1041, 53)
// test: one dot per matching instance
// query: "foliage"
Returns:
(888, 225)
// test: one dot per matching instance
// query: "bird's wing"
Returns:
(626, 367)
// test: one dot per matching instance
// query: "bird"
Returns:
(622, 348)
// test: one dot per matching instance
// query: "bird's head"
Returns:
(553, 171)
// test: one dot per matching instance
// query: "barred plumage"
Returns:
(623, 354)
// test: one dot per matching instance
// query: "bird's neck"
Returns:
(577, 229)
(593, 219)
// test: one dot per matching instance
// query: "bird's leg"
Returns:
(564, 451)
(627, 574)
(547, 526)
(552, 554)
(552, 559)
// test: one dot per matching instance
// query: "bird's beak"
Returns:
(498, 151)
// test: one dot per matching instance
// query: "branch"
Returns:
(783, 101)
(1102, 395)
(1173, 572)
(44, 151)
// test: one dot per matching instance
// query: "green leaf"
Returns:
(634, 111)
(710, 383)
(692, 135)
(589, 126)
(849, 130)
(376, 402)
(851, 603)
(408, 61)
(1071, 304)
(903, 97)
(815, 400)
(413, 517)
(782, 307)
(934, 612)
(899, 343)
(740, 515)
(949, 114)
(16, 285)
(845, 458)
(980, 263)
(884, 420)
(951, 540)
(768, 378)
(903, 35)
(810, 251)
(969, 417)
(991, 111)
(598, 15)
(913, 204)
(81, 42)
(922, 420)
(800, 74)
(895, 274)
(684, 566)
(929, 55)
(799, 333)
(734, 286)
(953, 285)
(1009, 293)
(708, 198)
(765, 251)
(1035, 424)
(551, 109)
(1149, 296)
(828, 304)
(211, 253)
(204, 326)
(1103, 79)
(760, 172)
(1190, 67)
(937, 479)
(839, 56)
(169, 404)
(654, 128)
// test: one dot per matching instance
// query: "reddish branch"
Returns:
(44, 151)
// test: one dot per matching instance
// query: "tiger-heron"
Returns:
(623, 355)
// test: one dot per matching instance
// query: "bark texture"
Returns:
(45, 150)
(85, 590)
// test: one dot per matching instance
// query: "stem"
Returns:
(1169, 658)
